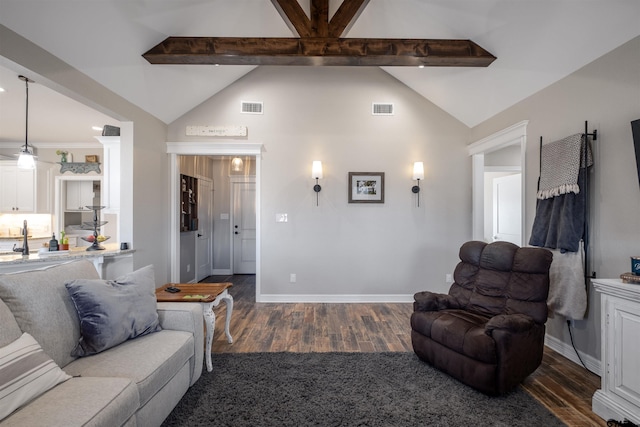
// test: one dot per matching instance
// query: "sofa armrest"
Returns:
(515, 323)
(179, 316)
(431, 301)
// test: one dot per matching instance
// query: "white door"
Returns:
(507, 209)
(204, 237)
(244, 227)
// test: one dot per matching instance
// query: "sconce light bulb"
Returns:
(316, 170)
(418, 170)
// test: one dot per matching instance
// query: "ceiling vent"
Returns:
(250, 107)
(382, 109)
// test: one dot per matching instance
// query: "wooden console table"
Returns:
(208, 295)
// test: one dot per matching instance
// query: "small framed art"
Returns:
(92, 158)
(366, 187)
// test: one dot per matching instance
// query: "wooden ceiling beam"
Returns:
(318, 51)
(319, 44)
(320, 18)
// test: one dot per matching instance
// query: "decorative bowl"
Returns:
(90, 238)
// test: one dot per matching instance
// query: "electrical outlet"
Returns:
(188, 268)
(448, 278)
(292, 278)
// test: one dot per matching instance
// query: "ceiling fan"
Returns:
(319, 44)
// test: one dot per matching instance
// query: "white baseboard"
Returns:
(221, 272)
(567, 351)
(298, 298)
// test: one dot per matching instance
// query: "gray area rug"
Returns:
(344, 389)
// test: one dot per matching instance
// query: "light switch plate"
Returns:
(282, 217)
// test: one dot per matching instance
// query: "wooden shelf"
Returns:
(188, 203)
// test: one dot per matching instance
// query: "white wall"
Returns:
(338, 248)
(607, 94)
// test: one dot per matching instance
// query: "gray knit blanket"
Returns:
(560, 163)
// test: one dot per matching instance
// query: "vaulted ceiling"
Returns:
(536, 43)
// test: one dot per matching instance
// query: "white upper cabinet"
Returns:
(80, 194)
(17, 189)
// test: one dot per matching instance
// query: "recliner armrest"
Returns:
(515, 323)
(431, 301)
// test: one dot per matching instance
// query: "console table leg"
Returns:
(228, 300)
(210, 321)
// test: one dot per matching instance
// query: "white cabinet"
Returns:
(80, 194)
(619, 395)
(17, 189)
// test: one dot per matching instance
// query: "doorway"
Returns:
(175, 149)
(509, 143)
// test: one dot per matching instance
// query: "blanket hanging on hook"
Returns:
(560, 163)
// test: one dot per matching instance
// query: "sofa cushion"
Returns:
(113, 311)
(42, 307)
(10, 330)
(85, 402)
(149, 361)
(25, 373)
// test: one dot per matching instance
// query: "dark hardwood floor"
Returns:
(564, 387)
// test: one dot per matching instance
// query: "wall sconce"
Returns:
(418, 174)
(316, 172)
(236, 164)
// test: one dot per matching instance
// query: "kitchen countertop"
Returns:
(111, 250)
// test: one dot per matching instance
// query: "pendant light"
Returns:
(25, 159)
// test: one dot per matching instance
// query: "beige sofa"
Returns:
(135, 383)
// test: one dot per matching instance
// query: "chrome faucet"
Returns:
(25, 246)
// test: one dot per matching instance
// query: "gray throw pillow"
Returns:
(113, 311)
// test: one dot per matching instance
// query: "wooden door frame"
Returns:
(206, 148)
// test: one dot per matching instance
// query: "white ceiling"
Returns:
(537, 42)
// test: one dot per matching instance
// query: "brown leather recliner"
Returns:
(488, 332)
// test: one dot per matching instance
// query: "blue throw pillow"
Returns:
(113, 311)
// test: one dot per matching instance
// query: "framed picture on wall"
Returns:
(366, 187)
(92, 158)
